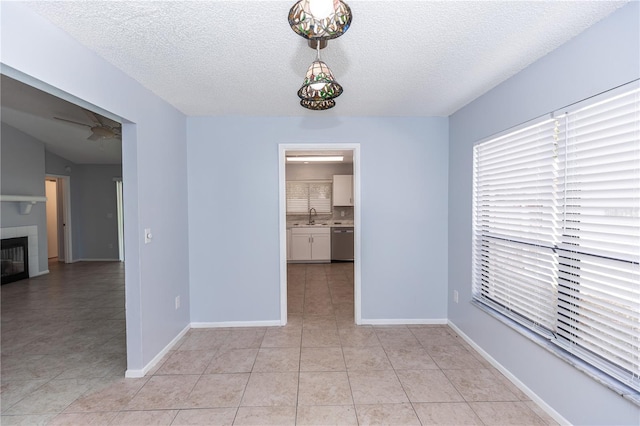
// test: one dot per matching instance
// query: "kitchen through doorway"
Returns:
(319, 224)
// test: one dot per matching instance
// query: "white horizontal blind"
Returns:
(515, 224)
(599, 269)
(320, 197)
(304, 195)
(297, 197)
(557, 231)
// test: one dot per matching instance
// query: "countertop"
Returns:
(321, 224)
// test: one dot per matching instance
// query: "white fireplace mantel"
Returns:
(26, 201)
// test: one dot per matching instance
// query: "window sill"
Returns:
(597, 375)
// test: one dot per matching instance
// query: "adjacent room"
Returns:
(320, 212)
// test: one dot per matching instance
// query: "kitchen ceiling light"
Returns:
(316, 158)
(320, 19)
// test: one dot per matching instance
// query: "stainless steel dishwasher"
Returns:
(342, 244)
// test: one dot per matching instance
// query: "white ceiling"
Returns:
(239, 57)
(399, 58)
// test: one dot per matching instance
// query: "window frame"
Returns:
(540, 335)
(311, 202)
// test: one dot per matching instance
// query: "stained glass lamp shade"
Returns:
(318, 105)
(320, 19)
(319, 86)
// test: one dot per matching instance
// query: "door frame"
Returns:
(120, 216)
(64, 199)
(282, 193)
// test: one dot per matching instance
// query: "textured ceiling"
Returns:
(399, 58)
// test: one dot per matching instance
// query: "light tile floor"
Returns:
(63, 360)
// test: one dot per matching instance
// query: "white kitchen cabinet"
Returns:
(321, 245)
(311, 244)
(288, 244)
(343, 190)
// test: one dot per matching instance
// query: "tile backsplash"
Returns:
(337, 215)
(348, 213)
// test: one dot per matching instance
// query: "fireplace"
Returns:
(14, 256)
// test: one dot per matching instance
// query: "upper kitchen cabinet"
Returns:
(343, 190)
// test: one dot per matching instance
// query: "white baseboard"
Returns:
(134, 374)
(96, 260)
(531, 394)
(269, 323)
(45, 272)
(410, 321)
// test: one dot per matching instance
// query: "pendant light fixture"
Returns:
(320, 19)
(319, 88)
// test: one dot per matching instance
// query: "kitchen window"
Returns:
(305, 195)
(556, 231)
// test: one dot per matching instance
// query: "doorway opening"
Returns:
(105, 278)
(58, 212)
(318, 216)
(51, 192)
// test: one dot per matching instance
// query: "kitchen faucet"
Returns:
(311, 222)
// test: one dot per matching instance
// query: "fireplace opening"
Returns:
(14, 256)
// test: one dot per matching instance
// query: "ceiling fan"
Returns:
(101, 127)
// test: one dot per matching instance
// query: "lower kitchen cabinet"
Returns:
(311, 244)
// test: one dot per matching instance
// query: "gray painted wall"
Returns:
(93, 200)
(93, 197)
(603, 57)
(95, 206)
(154, 152)
(56, 165)
(22, 173)
(233, 213)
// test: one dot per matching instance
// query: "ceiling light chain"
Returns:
(319, 89)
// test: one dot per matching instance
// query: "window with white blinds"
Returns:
(516, 221)
(305, 195)
(556, 239)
